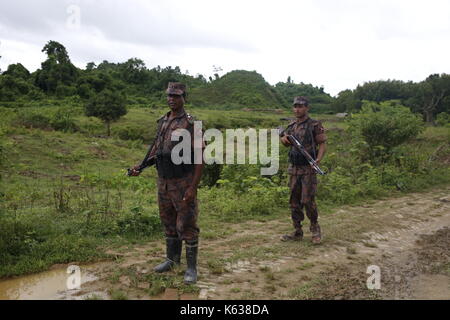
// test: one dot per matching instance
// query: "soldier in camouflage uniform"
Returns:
(177, 184)
(302, 177)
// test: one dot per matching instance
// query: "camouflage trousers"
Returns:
(303, 186)
(178, 216)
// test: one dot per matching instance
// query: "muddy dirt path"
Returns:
(409, 241)
(406, 238)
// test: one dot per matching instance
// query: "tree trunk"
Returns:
(108, 128)
(429, 117)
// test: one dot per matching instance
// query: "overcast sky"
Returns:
(334, 43)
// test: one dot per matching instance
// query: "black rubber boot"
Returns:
(316, 233)
(294, 236)
(173, 254)
(190, 277)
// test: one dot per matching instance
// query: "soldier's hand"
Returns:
(190, 194)
(135, 171)
(285, 141)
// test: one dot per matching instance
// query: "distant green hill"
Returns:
(238, 88)
(321, 102)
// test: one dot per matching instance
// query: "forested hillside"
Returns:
(59, 79)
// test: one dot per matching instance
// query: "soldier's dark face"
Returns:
(175, 102)
(300, 110)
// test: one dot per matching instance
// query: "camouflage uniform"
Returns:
(302, 177)
(178, 217)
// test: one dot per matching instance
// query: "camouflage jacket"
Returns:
(310, 133)
(163, 146)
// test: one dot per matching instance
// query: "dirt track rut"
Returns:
(407, 237)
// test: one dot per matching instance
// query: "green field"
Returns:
(66, 197)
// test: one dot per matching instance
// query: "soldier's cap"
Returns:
(301, 100)
(176, 88)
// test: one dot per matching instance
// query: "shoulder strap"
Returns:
(290, 125)
(160, 118)
(158, 131)
(310, 125)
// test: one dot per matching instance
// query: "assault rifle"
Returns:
(147, 162)
(299, 146)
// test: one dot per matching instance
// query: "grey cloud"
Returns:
(142, 23)
(26, 16)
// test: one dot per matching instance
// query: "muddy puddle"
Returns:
(59, 283)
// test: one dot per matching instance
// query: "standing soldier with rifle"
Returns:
(177, 183)
(302, 169)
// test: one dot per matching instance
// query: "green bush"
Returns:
(138, 224)
(24, 250)
(63, 121)
(211, 174)
(443, 119)
(129, 132)
(385, 126)
(16, 238)
(91, 126)
(252, 194)
(337, 187)
(64, 91)
(32, 119)
(108, 106)
(256, 201)
(85, 91)
(35, 94)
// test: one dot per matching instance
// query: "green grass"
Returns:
(216, 266)
(95, 297)
(306, 266)
(117, 295)
(302, 292)
(65, 196)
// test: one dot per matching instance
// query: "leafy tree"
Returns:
(383, 90)
(134, 71)
(90, 66)
(443, 119)
(108, 106)
(85, 91)
(17, 71)
(12, 88)
(384, 126)
(320, 101)
(378, 91)
(346, 101)
(15, 82)
(434, 95)
(57, 51)
(57, 69)
(64, 91)
(94, 82)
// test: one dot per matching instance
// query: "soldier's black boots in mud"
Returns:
(316, 233)
(190, 277)
(295, 236)
(173, 254)
(298, 234)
